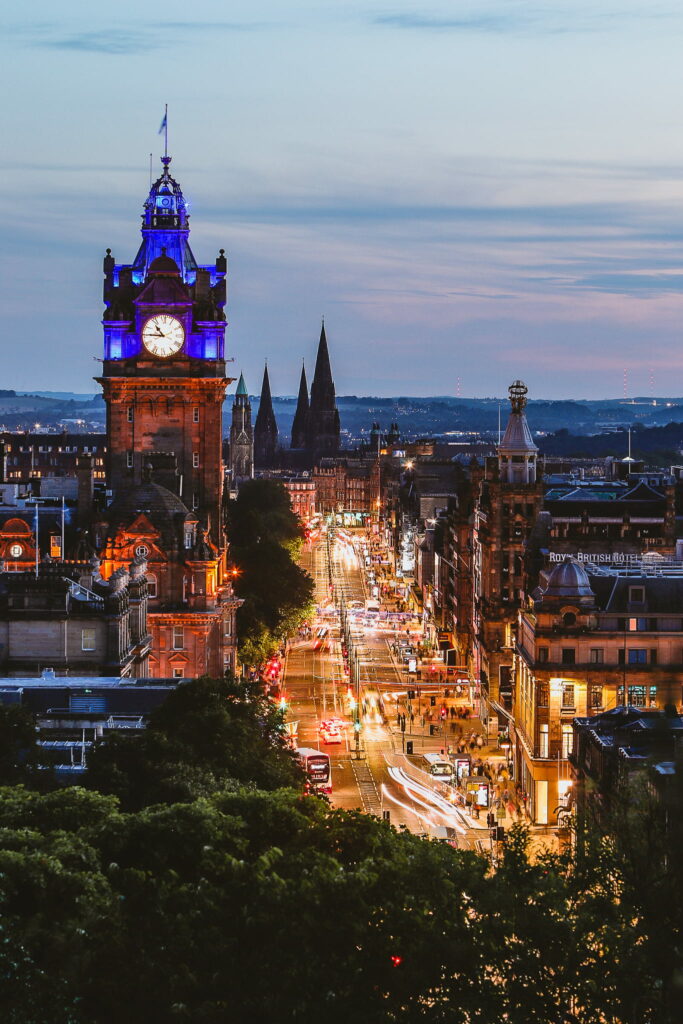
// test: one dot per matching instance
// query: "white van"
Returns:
(439, 766)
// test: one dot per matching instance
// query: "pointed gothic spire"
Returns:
(322, 434)
(301, 414)
(265, 428)
(322, 387)
(242, 387)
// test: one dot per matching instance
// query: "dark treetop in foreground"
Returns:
(261, 905)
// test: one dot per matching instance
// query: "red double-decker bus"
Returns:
(318, 769)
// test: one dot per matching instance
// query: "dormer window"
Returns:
(569, 619)
(636, 595)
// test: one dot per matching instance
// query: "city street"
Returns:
(379, 777)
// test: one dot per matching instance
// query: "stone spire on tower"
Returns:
(265, 428)
(301, 414)
(241, 435)
(322, 433)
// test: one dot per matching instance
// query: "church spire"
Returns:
(322, 388)
(301, 414)
(323, 418)
(241, 388)
(265, 428)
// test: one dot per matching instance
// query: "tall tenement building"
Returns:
(164, 383)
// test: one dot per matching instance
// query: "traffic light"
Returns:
(411, 694)
(432, 702)
(490, 819)
(500, 833)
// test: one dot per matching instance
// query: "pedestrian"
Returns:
(480, 741)
(473, 744)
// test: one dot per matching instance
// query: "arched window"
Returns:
(151, 585)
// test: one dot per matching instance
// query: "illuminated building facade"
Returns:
(590, 639)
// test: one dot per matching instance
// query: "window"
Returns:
(129, 460)
(596, 696)
(151, 585)
(568, 656)
(88, 639)
(567, 740)
(177, 673)
(569, 619)
(653, 655)
(620, 694)
(636, 696)
(195, 460)
(189, 536)
(195, 500)
(543, 743)
(542, 695)
(178, 638)
(637, 656)
(542, 653)
(636, 595)
(597, 655)
(653, 696)
(568, 696)
(129, 413)
(195, 414)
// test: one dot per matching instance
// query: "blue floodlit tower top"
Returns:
(165, 228)
(193, 292)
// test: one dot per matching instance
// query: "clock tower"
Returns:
(163, 379)
(163, 374)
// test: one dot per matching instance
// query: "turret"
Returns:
(517, 452)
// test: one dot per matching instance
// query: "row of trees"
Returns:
(192, 880)
(265, 541)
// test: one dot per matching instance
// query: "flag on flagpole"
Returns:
(164, 124)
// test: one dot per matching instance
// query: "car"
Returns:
(334, 724)
(332, 736)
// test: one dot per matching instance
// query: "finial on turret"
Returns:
(518, 392)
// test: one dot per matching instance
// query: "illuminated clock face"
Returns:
(163, 335)
(16, 550)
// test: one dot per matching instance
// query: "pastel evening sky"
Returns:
(464, 188)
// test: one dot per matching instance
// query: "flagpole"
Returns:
(150, 170)
(166, 129)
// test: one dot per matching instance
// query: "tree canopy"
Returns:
(208, 733)
(265, 539)
(254, 906)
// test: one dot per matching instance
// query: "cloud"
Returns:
(113, 41)
(499, 20)
(629, 284)
(122, 42)
(468, 23)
